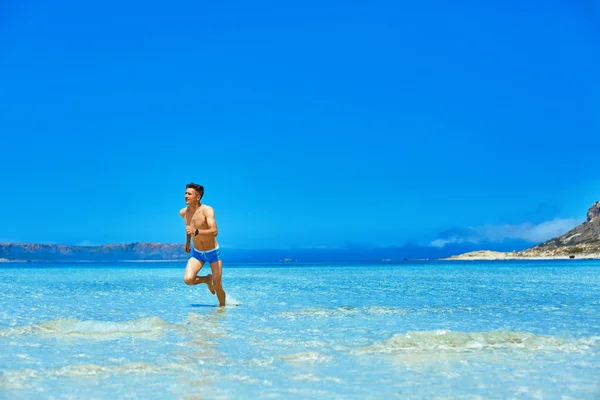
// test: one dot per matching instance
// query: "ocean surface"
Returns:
(423, 330)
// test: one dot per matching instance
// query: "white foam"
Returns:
(149, 327)
(311, 357)
(344, 311)
(447, 341)
(231, 301)
(15, 379)
(315, 378)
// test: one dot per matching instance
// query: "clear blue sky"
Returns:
(310, 123)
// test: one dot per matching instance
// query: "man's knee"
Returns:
(189, 280)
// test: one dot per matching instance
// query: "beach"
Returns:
(482, 255)
(409, 330)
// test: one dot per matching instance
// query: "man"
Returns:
(201, 227)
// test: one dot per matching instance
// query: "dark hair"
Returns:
(196, 187)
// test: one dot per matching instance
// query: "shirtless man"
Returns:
(200, 225)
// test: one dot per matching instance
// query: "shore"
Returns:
(483, 255)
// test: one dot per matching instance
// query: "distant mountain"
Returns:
(109, 252)
(174, 252)
(582, 241)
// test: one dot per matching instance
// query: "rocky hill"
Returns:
(110, 252)
(582, 241)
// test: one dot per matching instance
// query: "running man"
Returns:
(201, 227)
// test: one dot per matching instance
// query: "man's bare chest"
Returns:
(197, 219)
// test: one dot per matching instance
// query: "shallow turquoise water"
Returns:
(428, 330)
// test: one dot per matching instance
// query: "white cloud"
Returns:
(535, 233)
(531, 232)
(443, 242)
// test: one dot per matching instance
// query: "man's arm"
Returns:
(188, 237)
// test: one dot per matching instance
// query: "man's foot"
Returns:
(209, 283)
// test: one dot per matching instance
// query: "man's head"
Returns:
(193, 193)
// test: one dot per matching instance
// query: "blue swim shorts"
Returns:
(209, 256)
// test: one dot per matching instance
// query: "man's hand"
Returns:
(187, 247)
(189, 230)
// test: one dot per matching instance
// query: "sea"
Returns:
(406, 330)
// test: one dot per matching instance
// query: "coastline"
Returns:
(4, 260)
(487, 255)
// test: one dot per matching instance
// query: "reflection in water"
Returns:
(203, 331)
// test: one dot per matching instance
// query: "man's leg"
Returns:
(191, 273)
(217, 268)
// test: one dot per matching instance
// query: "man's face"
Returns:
(191, 196)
